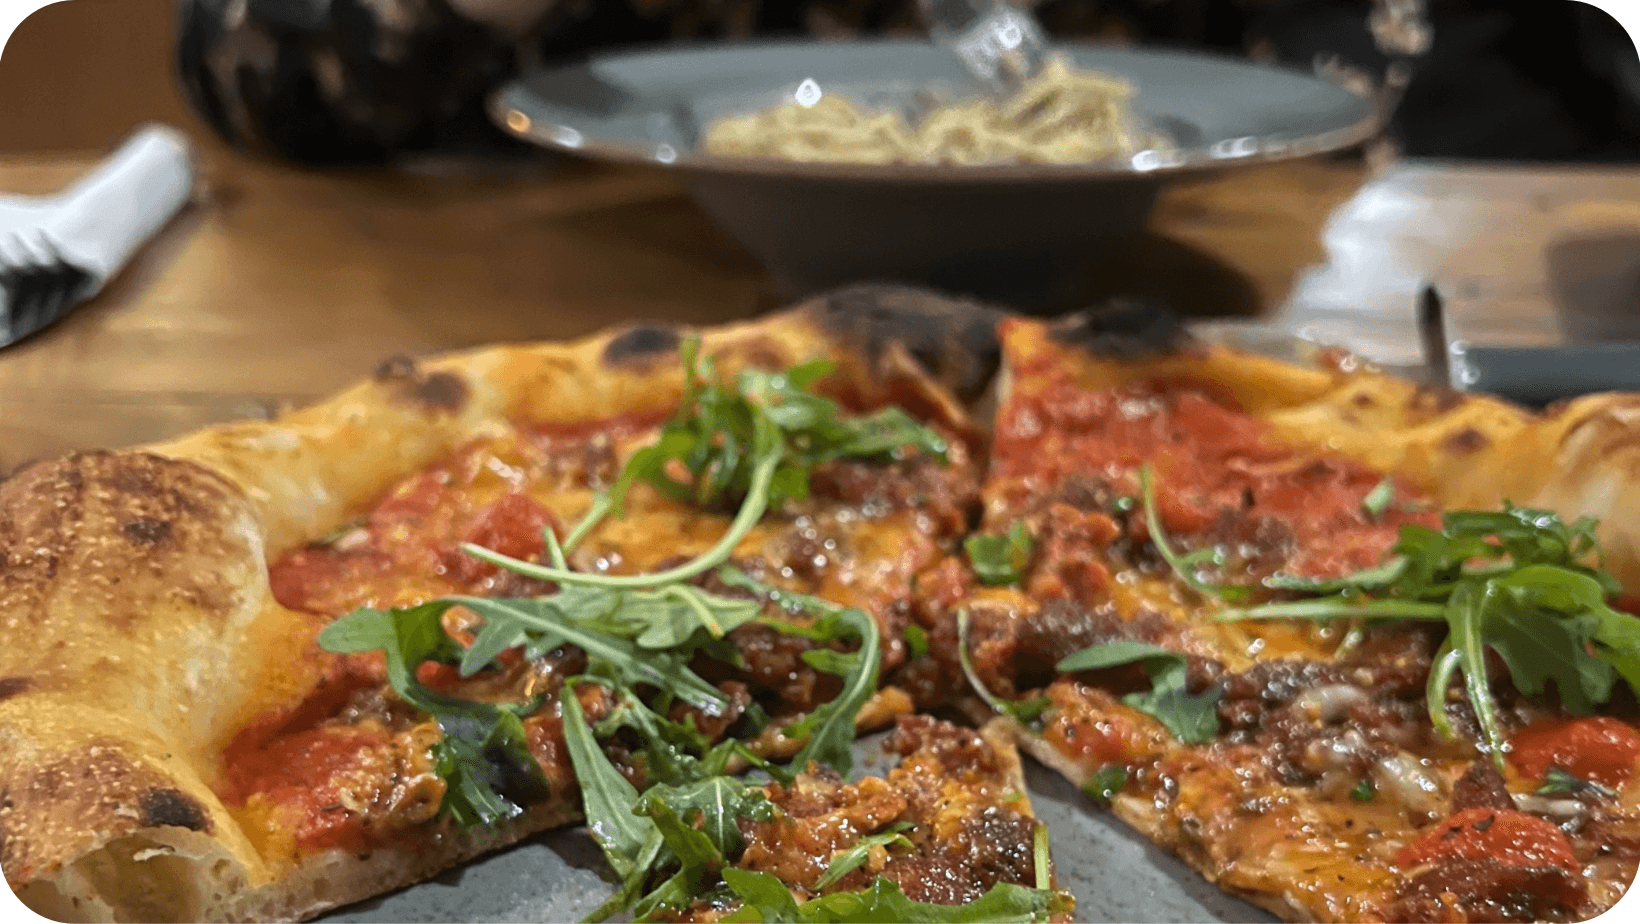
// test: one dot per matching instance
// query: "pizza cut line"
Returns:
(1286, 621)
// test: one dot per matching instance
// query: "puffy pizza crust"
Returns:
(138, 632)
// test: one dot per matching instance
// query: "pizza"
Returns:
(1268, 614)
(1288, 621)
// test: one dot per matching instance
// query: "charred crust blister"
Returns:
(443, 392)
(395, 368)
(1434, 400)
(100, 519)
(1466, 441)
(146, 530)
(172, 808)
(1124, 328)
(954, 339)
(640, 345)
(13, 686)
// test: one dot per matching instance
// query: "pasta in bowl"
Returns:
(1061, 116)
(840, 162)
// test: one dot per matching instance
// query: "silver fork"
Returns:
(56, 251)
(1001, 44)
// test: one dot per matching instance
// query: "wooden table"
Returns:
(277, 285)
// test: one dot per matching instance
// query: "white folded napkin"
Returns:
(100, 221)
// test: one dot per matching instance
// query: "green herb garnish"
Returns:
(916, 643)
(851, 859)
(1106, 783)
(1185, 566)
(1517, 581)
(829, 729)
(481, 743)
(715, 435)
(1194, 719)
(1026, 712)
(1557, 782)
(1363, 791)
(1378, 499)
(1000, 560)
(767, 900)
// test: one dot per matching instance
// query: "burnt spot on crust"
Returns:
(405, 383)
(1432, 400)
(13, 686)
(58, 803)
(1466, 441)
(395, 368)
(125, 534)
(1124, 328)
(442, 391)
(146, 530)
(954, 339)
(167, 807)
(640, 345)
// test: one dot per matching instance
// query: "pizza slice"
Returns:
(273, 668)
(945, 835)
(1287, 624)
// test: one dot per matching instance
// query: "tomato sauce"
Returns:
(1596, 748)
(1513, 839)
(1219, 474)
(1085, 724)
(407, 548)
(294, 774)
(512, 526)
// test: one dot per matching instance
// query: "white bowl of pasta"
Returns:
(839, 162)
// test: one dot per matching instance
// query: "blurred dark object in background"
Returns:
(365, 80)
(1546, 80)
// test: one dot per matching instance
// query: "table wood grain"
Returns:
(1555, 259)
(278, 285)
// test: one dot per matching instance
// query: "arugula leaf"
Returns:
(1026, 712)
(1183, 565)
(1106, 783)
(715, 804)
(482, 744)
(608, 654)
(1557, 782)
(693, 825)
(1005, 902)
(851, 859)
(1378, 499)
(676, 753)
(1000, 560)
(763, 898)
(650, 857)
(1194, 719)
(916, 643)
(1517, 581)
(607, 796)
(694, 851)
(1539, 650)
(714, 435)
(830, 727)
